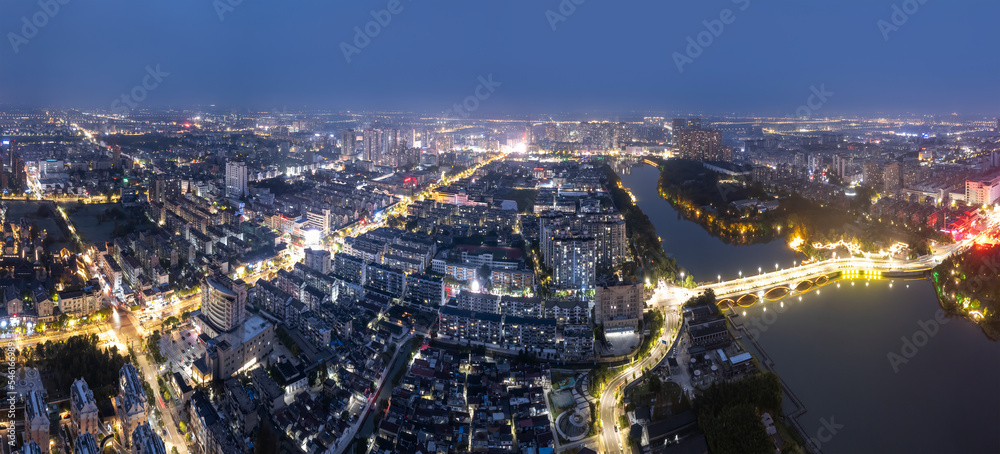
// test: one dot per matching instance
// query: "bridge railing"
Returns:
(816, 269)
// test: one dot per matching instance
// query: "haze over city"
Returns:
(604, 57)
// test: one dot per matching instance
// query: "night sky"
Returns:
(605, 56)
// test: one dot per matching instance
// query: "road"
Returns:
(129, 336)
(399, 208)
(344, 441)
(610, 439)
(791, 276)
(668, 298)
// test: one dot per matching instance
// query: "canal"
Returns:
(841, 350)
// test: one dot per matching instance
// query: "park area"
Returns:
(42, 215)
(94, 222)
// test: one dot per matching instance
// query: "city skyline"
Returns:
(522, 227)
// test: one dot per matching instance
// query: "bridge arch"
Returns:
(747, 300)
(778, 292)
(104, 441)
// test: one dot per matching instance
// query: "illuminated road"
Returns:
(609, 400)
(792, 276)
(669, 299)
(400, 207)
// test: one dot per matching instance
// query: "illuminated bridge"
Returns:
(773, 285)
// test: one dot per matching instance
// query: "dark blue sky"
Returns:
(607, 55)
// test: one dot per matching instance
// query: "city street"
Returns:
(128, 336)
(668, 298)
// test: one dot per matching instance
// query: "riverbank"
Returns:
(696, 251)
(968, 286)
(651, 261)
(741, 212)
(832, 347)
(841, 349)
(767, 364)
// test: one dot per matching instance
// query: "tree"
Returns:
(655, 385)
(484, 273)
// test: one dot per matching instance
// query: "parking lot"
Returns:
(620, 343)
(181, 347)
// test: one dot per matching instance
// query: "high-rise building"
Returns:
(236, 179)
(348, 143)
(318, 259)
(319, 220)
(841, 162)
(872, 174)
(893, 176)
(982, 191)
(701, 145)
(31, 447)
(163, 189)
(83, 408)
(372, 143)
(445, 142)
(677, 124)
(607, 230)
(86, 444)
(36, 420)
(223, 303)
(146, 441)
(573, 262)
(618, 307)
(609, 235)
(130, 402)
(913, 174)
(241, 349)
(384, 147)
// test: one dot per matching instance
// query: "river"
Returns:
(696, 250)
(835, 348)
